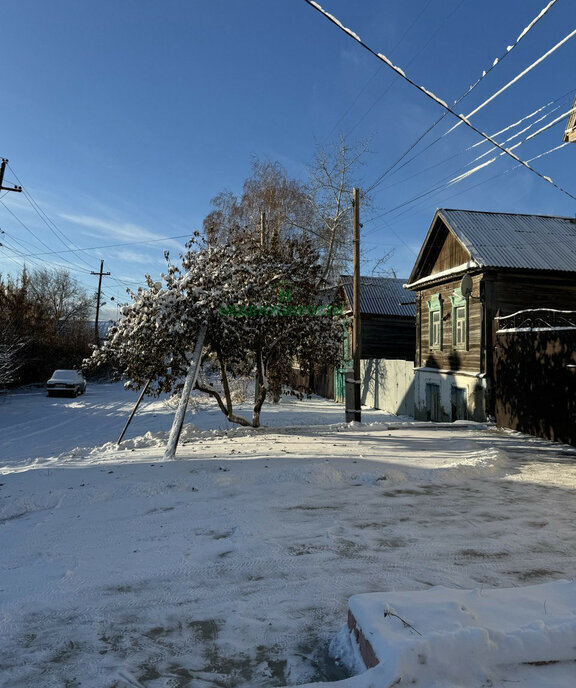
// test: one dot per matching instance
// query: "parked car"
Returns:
(66, 382)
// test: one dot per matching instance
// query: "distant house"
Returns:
(388, 328)
(570, 132)
(388, 316)
(474, 266)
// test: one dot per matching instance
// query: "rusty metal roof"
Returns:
(381, 296)
(508, 240)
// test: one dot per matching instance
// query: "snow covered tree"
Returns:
(260, 306)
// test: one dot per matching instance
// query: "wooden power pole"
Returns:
(3, 164)
(100, 275)
(356, 323)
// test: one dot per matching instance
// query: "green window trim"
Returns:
(460, 325)
(435, 315)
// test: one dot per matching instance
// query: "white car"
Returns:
(66, 382)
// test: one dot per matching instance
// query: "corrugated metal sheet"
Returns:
(535, 242)
(381, 296)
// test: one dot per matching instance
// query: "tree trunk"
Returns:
(262, 389)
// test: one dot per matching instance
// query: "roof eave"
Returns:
(471, 265)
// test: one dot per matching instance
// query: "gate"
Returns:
(535, 373)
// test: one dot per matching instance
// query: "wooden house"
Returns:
(472, 267)
(387, 336)
(388, 316)
(570, 132)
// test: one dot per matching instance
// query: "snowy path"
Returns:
(232, 566)
(34, 426)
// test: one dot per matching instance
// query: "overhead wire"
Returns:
(377, 71)
(459, 153)
(517, 78)
(446, 182)
(480, 183)
(125, 243)
(484, 74)
(410, 61)
(52, 226)
(66, 241)
(434, 97)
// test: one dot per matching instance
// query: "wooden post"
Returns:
(187, 389)
(356, 329)
(100, 275)
(142, 393)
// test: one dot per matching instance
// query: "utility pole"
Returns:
(100, 275)
(353, 409)
(262, 228)
(3, 164)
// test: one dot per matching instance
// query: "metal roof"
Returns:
(507, 240)
(381, 296)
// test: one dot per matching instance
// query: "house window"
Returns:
(459, 320)
(460, 326)
(435, 322)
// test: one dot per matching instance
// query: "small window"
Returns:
(435, 329)
(460, 326)
(435, 322)
(459, 320)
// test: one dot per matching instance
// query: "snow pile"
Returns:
(442, 637)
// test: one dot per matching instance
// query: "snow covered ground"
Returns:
(232, 566)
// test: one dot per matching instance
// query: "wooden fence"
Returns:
(535, 374)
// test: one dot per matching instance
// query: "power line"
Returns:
(455, 155)
(97, 248)
(446, 182)
(515, 79)
(410, 61)
(465, 94)
(390, 85)
(58, 233)
(434, 97)
(40, 241)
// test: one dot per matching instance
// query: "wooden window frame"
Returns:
(458, 301)
(435, 306)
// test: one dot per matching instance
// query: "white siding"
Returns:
(388, 385)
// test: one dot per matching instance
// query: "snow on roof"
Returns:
(381, 296)
(511, 240)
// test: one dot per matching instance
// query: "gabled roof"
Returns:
(510, 240)
(381, 296)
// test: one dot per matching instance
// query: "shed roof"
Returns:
(381, 296)
(511, 240)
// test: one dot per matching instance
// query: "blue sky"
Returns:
(123, 119)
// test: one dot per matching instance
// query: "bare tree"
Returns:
(335, 170)
(268, 190)
(60, 296)
(43, 324)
